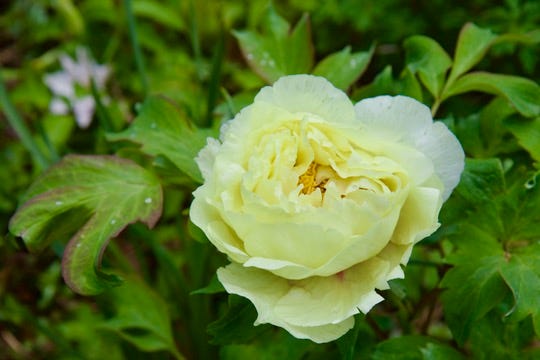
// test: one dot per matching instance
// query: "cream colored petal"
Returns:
(405, 120)
(206, 157)
(419, 214)
(446, 153)
(320, 300)
(264, 290)
(397, 118)
(323, 333)
(208, 219)
(309, 94)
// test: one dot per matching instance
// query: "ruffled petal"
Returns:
(446, 153)
(265, 290)
(395, 119)
(407, 121)
(309, 94)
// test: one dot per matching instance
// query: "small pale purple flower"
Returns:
(71, 86)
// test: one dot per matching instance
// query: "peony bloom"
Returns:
(72, 86)
(317, 202)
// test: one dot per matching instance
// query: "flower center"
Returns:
(309, 180)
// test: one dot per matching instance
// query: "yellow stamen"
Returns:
(308, 179)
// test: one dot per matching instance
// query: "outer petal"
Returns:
(408, 121)
(398, 118)
(327, 300)
(447, 154)
(265, 290)
(206, 157)
(309, 94)
(419, 216)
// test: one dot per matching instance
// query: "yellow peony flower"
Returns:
(317, 202)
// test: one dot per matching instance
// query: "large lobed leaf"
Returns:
(163, 129)
(90, 199)
(496, 267)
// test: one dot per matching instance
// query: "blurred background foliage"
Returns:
(189, 54)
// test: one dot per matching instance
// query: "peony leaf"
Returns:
(473, 43)
(278, 51)
(482, 180)
(522, 274)
(236, 325)
(163, 129)
(425, 57)
(524, 94)
(415, 347)
(90, 199)
(140, 317)
(343, 68)
(474, 286)
(528, 135)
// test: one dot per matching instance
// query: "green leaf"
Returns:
(159, 13)
(413, 347)
(481, 180)
(425, 57)
(522, 274)
(163, 129)
(434, 351)
(474, 286)
(527, 134)
(411, 85)
(278, 51)
(90, 199)
(140, 317)
(275, 345)
(214, 287)
(472, 44)
(383, 84)
(343, 68)
(524, 94)
(236, 325)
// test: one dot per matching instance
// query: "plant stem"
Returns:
(136, 48)
(20, 128)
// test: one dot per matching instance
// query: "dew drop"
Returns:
(153, 125)
(148, 200)
(271, 63)
(352, 63)
(59, 203)
(249, 56)
(113, 221)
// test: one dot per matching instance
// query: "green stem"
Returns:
(136, 48)
(20, 128)
(194, 34)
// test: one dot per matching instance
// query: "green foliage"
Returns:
(471, 290)
(279, 50)
(88, 199)
(141, 317)
(163, 129)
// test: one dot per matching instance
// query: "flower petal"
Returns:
(309, 94)
(264, 290)
(446, 153)
(84, 111)
(408, 121)
(419, 216)
(396, 119)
